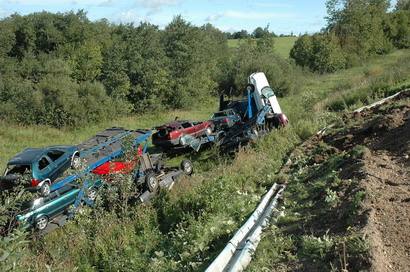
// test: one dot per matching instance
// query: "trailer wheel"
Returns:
(152, 182)
(41, 222)
(187, 167)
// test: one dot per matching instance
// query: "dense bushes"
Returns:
(62, 69)
(356, 30)
(318, 52)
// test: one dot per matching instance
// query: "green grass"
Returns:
(283, 45)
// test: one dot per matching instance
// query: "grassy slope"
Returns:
(294, 242)
(283, 45)
(185, 229)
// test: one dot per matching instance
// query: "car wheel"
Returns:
(152, 182)
(76, 162)
(187, 167)
(45, 189)
(41, 222)
(92, 194)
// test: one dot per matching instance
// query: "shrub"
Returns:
(321, 53)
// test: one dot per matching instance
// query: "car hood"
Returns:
(9, 178)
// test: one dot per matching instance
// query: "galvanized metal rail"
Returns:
(238, 252)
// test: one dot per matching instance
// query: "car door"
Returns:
(61, 160)
(188, 129)
(197, 129)
(59, 201)
(45, 167)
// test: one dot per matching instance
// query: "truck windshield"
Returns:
(220, 114)
(267, 92)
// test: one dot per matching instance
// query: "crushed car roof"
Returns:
(29, 155)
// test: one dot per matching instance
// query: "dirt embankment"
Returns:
(385, 177)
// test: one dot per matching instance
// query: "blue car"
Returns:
(42, 166)
(39, 212)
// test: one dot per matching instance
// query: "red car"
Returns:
(169, 135)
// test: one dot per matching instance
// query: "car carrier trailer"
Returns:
(74, 189)
(149, 175)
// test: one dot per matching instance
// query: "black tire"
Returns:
(41, 222)
(187, 167)
(152, 182)
(45, 189)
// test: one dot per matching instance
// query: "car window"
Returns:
(43, 163)
(186, 125)
(220, 114)
(55, 154)
(267, 92)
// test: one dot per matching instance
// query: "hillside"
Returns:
(346, 205)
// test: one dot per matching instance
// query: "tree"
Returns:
(8, 39)
(319, 52)
(260, 32)
(243, 34)
(358, 25)
(403, 5)
(87, 62)
(398, 28)
(302, 51)
(147, 67)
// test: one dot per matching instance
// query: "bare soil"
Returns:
(385, 177)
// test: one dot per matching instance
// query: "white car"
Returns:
(263, 93)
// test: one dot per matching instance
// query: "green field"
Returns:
(283, 45)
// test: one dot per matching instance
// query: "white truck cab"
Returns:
(263, 93)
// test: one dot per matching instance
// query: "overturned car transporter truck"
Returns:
(260, 112)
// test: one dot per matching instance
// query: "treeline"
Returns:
(258, 33)
(356, 30)
(64, 70)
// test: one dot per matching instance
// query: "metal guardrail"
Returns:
(237, 253)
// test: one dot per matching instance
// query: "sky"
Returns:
(283, 17)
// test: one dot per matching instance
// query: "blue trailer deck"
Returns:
(103, 147)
